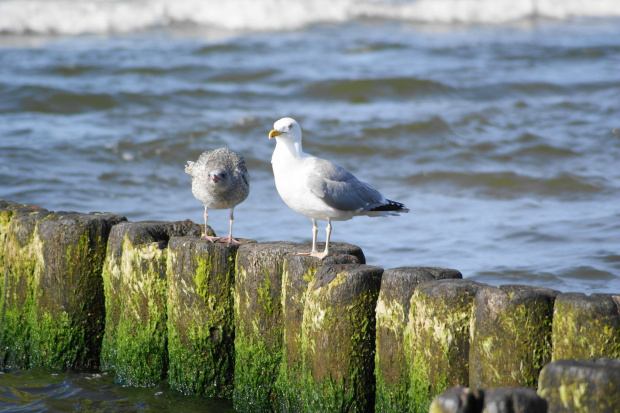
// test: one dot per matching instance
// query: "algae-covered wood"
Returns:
(200, 322)
(586, 326)
(338, 339)
(438, 335)
(392, 369)
(299, 271)
(52, 298)
(510, 335)
(136, 291)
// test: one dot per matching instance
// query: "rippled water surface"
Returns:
(40, 390)
(503, 141)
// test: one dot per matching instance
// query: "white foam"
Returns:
(76, 17)
(107, 16)
(492, 11)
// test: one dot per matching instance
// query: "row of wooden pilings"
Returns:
(276, 331)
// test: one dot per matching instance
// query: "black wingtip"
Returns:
(391, 206)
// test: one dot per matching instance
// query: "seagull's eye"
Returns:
(289, 126)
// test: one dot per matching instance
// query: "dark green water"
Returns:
(45, 391)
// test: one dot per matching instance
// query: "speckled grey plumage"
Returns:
(220, 180)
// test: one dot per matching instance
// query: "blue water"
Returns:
(502, 139)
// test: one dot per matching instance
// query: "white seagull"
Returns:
(319, 189)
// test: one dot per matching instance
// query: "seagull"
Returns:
(319, 189)
(220, 180)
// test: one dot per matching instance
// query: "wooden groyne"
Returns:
(278, 332)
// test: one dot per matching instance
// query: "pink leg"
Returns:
(229, 239)
(314, 252)
(205, 236)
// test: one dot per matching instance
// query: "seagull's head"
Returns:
(286, 129)
(219, 178)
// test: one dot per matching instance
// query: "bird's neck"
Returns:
(291, 150)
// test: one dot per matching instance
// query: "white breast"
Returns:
(291, 175)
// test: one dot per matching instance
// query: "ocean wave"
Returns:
(50, 100)
(510, 185)
(366, 90)
(433, 126)
(70, 17)
(43, 99)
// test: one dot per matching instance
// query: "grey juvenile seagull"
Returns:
(320, 189)
(220, 180)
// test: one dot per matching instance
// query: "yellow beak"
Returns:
(274, 133)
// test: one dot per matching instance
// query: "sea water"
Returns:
(496, 123)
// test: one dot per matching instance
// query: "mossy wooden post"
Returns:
(438, 333)
(586, 326)
(258, 324)
(70, 317)
(18, 262)
(510, 335)
(53, 278)
(589, 386)
(200, 316)
(135, 340)
(391, 365)
(299, 271)
(338, 339)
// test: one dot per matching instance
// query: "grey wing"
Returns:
(340, 189)
(243, 175)
(236, 163)
(241, 170)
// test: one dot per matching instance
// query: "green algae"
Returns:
(140, 356)
(200, 317)
(135, 344)
(264, 294)
(18, 300)
(70, 314)
(338, 339)
(586, 327)
(591, 385)
(257, 362)
(53, 297)
(6, 215)
(112, 280)
(391, 368)
(393, 358)
(256, 367)
(438, 335)
(135, 340)
(510, 336)
(267, 368)
(258, 325)
(298, 272)
(81, 292)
